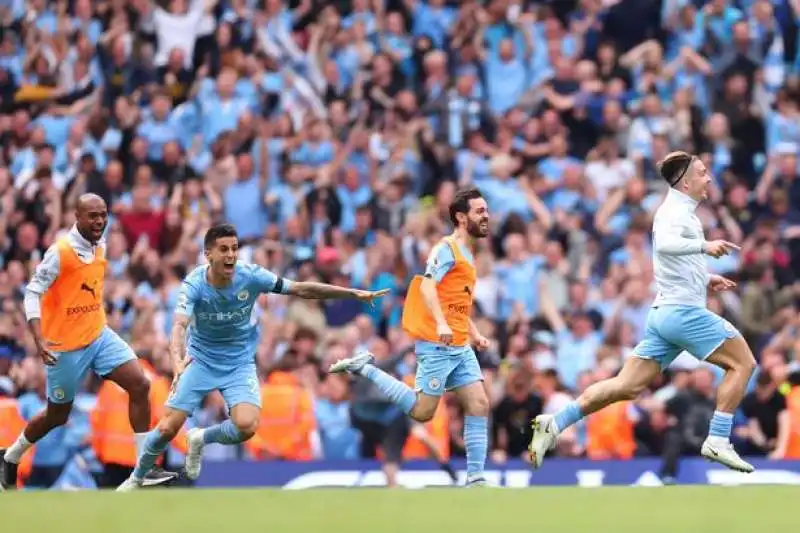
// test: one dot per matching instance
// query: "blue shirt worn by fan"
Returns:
(222, 335)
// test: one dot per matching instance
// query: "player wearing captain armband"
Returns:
(213, 347)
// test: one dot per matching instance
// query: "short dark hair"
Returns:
(218, 232)
(461, 201)
(674, 167)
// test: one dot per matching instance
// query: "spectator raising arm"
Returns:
(607, 210)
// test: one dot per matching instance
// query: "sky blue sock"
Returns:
(567, 416)
(721, 424)
(476, 440)
(154, 445)
(224, 433)
(397, 391)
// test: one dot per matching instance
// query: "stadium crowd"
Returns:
(334, 134)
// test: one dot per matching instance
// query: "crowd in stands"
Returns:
(333, 134)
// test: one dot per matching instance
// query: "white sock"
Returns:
(20, 446)
(140, 437)
(199, 435)
(716, 440)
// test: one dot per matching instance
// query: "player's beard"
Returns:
(478, 229)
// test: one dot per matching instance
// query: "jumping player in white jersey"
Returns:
(678, 321)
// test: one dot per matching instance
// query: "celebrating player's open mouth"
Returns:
(97, 231)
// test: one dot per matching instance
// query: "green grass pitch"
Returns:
(752, 509)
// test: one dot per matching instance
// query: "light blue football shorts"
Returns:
(442, 368)
(671, 329)
(104, 355)
(238, 385)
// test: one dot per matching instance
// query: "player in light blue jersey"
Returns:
(213, 346)
(678, 321)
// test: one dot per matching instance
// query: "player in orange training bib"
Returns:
(66, 315)
(437, 315)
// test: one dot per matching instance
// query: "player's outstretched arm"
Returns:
(669, 240)
(322, 291)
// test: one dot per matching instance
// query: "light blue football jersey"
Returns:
(223, 332)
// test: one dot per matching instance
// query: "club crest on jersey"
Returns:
(434, 384)
(729, 328)
(243, 296)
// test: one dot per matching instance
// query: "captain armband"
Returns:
(282, 286)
